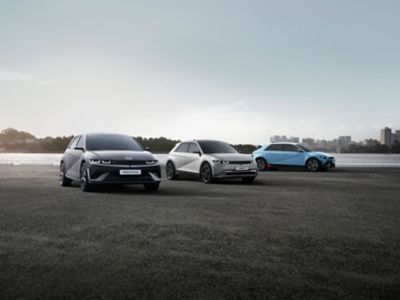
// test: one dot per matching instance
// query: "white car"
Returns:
(210, 159)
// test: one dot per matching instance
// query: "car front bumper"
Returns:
(330, 163)
(100, 174)
(234, 170)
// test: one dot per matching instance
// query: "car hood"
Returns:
(321, 154)
(122, 155)
(232, 156)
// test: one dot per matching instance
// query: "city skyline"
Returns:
(342, 140)
(234, 71)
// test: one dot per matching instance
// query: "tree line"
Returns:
(12, 140)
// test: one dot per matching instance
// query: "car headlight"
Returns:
(323, 157)
(220, 162)
(151, 162)
(100, 162)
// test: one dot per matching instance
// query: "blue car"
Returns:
(291, 155)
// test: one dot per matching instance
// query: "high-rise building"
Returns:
(397, 137)
(284, 138)
(308, 142)
(386, 136)
(294, 139)
(371, 142)
(344, 141)
(278, 138)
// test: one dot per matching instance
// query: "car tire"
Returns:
(262, 164)
(313, 165)
(84, 181)
(206, 173)
(248, 179)
(63, 179)
(151, 187)
(171, 171)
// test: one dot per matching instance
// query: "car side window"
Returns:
(274, 147)
(193, 148)
(71, 142)
(80, 143)
(182, 147)
(74, 142)
(289, 148)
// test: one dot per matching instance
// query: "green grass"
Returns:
(330, 235)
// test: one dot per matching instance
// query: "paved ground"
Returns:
(328, 235)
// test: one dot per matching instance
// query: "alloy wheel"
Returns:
(84, 179)
(261, 163)
(206, 174)
(170, 170)
(312, 165)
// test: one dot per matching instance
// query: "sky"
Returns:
(240, 71)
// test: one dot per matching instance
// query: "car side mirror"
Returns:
(299, 150)
(79, 148)
(197, 152)
(147, 148)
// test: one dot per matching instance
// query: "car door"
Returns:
(75, 157)
(273, 154)
(193, 157)
(292, 156)
(180, 156)
(68, 156)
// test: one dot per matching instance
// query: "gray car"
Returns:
(96, 159)
(210, 160)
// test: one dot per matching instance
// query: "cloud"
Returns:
(7, 75)
(241, 105)
(45, 82)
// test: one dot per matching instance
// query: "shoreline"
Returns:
(343, 160)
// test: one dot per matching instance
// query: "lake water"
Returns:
(342, 160)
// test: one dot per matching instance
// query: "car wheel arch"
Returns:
(312, 157)
(172, 162)
(205, 161)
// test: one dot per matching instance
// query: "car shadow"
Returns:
(181, 187)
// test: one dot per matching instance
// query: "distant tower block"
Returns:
(386, 136)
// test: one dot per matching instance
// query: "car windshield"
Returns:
(304, 148)
(216, 147)
(112, 142)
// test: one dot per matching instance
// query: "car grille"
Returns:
(235, 173)
(240, 162)
(128, 162)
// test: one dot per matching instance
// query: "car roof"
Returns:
(280, 143)
(104, 133)
(194, 140)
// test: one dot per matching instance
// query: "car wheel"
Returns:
(248, 179)
(170, 170)
(312, 165)
(151, 186)
(262, 164)
(206, 173)
(62, 178)
(85, 185)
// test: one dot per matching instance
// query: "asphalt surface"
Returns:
(291, 234)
